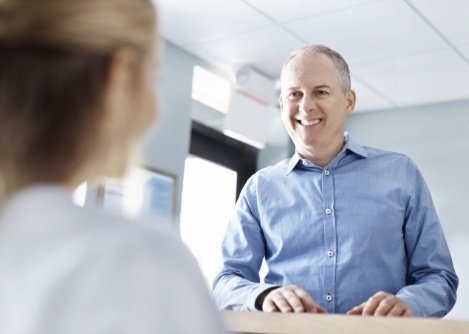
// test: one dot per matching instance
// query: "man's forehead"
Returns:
(310, 67)
(309, 60)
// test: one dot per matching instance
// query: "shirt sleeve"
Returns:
(431, 278)
(237, 286)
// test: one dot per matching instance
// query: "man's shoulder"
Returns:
(395, 163)
(264, 176)
(378, 153)
(278, 169)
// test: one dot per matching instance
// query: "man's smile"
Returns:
(310, 122)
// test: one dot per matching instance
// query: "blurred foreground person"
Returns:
(76, 94)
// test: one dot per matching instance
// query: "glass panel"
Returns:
(79, 194)
(208, 198)
(211, 89)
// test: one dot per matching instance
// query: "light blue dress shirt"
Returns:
(364, 223)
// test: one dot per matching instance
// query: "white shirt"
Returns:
(65, 269)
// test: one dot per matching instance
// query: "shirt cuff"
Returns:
(251, 304)
(410, 301)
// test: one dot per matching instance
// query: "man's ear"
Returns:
(351, 99)
(280, 102)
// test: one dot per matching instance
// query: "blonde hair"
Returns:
(54, 62)
(97, 26)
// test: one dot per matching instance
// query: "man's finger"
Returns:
(398, 310)
(401, 309)
(372, 303)
(281, 303)
(385, 305)
(308, 302)
(295, 301)
(407, 312)
(357, 310)
(269, 306)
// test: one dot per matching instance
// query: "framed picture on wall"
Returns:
(143, 192)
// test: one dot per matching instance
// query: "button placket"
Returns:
(330, 238)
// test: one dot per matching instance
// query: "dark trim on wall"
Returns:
(213, 145)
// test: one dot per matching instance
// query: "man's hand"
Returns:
(382, 304)
(290, 298)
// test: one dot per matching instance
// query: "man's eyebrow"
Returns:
(315, 87)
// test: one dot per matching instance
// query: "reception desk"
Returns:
(303, 323)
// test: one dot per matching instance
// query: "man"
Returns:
(343, 228)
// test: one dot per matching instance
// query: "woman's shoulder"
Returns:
(100, 262)
(134, 237)
(47, 214)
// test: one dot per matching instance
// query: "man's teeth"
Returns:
(311, 122)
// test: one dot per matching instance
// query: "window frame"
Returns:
(219, 148)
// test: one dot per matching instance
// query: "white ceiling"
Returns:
(400, 52)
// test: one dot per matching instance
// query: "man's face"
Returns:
(314, 107)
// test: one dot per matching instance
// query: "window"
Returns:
(214, 175)
(211, 89)
(142, 192)
(208, 198)
(79, 194)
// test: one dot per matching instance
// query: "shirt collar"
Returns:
(350, 145)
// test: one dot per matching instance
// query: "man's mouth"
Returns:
(311, 122)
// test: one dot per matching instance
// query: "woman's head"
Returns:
(76, 87)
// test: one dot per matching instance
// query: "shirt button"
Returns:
(330, 253)
(328, 211)
(326, 172)
(305, 163)
(328, 297)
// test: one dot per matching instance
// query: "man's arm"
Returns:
(237, 286)
(431, 279)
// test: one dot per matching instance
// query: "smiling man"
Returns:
(343, 228)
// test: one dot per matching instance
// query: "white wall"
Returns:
(436, 138)
(168, 144)
(278, 144)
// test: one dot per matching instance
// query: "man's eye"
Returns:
(322, 92)
(294, 95)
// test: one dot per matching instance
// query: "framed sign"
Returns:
(143, 192)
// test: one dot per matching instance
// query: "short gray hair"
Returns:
(343, 72)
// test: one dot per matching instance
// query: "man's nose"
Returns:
(307, 104)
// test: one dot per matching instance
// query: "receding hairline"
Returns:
(340, 65)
